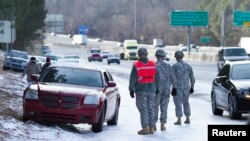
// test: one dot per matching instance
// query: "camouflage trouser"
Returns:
(145, 105)
(182, 99)
(161, 100)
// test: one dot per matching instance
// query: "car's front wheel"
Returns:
(215, 110)
(114, 120)
(98, 127)
(232, 108)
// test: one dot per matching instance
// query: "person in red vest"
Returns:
(142, 84)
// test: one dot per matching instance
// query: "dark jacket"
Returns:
(46, 65)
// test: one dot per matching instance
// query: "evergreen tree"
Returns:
(28, 17)
(215, 9)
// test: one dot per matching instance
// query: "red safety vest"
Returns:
(146, 72)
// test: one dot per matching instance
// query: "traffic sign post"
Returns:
(83, 30)
(205, 39)
(189, 18)
(241, 18)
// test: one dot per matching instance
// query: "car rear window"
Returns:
(241, 71)
(95, 51)
(235, 52)
(72, 76)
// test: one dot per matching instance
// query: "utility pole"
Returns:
(222, 28)
(11, 31)
(135, 18)
(233, 5)
(189, 38)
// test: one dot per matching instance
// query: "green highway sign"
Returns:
(241, 18)
(189, 18)
(205, 39)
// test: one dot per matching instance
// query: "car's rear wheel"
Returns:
(98, 127)
(5, 68)
(232, 108)
(114, 120)
(215, 110)
(108, 63)
(118, 62)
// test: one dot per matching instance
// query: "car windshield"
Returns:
(18, 54)
(72, 76)
(132, 47)
(95, 51)
(241, 72)
(235, 52)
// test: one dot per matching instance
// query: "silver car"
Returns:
(15, 59)
(113, 58)
(231, 54)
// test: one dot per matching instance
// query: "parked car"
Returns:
(230, 89)
(16, 59)
(73, 94)
(113, 58)
(231, 54)
(95, 54)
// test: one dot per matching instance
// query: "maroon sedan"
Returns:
(70, 95)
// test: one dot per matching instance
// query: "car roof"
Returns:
(77, 67)
(238, 62)
(232, 48)
(18, 51)
(96, 47)
(71, 55)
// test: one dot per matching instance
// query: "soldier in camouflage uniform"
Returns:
(185, 84)
(164, 79)
(142, 83)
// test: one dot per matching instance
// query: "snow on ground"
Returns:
(13, 129)
(12, 83)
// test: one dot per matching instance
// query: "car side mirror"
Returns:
(222, 78)
(111, 84)
(34, 77)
